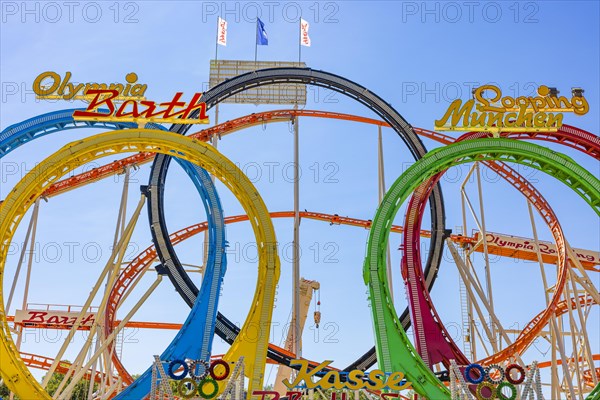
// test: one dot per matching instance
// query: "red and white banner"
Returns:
(222, 32)
(52, 318)
(304, 38)
(512, 244)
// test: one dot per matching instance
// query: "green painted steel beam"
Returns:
(594, 394)
(394, 350)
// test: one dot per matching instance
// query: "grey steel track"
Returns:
(160, 235)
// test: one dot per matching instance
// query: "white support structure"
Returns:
(470, 285)
(31, 231)
(459, 390)
(234, 390)
(488, 274)
(111, 269)
(160, 388)
(110, 338)
(297, 335)
(106, 360)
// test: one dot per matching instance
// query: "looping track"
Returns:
(259, 78)
(423, 312)
(34, 183)
(202, 317)
(395, 352)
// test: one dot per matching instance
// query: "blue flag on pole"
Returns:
(261, 35)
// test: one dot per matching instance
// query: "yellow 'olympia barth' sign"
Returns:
(119, 102)
(49, 85)
(496, 113)
(355, 380)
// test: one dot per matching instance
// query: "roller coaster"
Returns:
(427, 361)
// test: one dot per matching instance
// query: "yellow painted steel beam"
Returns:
(170, 120)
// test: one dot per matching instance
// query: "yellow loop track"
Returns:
(248, 343)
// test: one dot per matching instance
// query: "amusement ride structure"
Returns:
(433, 362)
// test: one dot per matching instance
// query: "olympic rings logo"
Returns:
(198, 377)
(493, 379)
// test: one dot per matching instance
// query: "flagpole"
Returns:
(214, 138)
(256, 44)
(217, 42)
(299, 40)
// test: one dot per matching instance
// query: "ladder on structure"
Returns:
(468, 335)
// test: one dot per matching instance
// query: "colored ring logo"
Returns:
(474, 379)
(174, 366)
(508, 385)
(494, 374)
(187, 388)
(226, 371)
(519, 369)
(198, 369)
(203, 384)
(480, 389)
(198, 380)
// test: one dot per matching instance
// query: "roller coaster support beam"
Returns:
(467, 279)
(122, 215)
(296, 316)
(109, 265)
(553, 325)
(491, 332)
(585, 280)
(583, 329)
(486, 257)
(114, 267)
(67, 392)
(574, 346)
(31, 230)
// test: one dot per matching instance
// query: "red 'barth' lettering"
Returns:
(36, 316)
(97, 102)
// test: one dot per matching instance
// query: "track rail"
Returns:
(202, 317)
(240, 83)
(394, 349)
(433, 342)
(38, 126)
(23, 132)
(14, 372)
(568, 135)
(220, 130)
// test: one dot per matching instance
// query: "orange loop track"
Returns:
(566, 135)
(44, 363)
(144, 260)
(442, 350)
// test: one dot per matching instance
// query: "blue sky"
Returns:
(418, 56)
